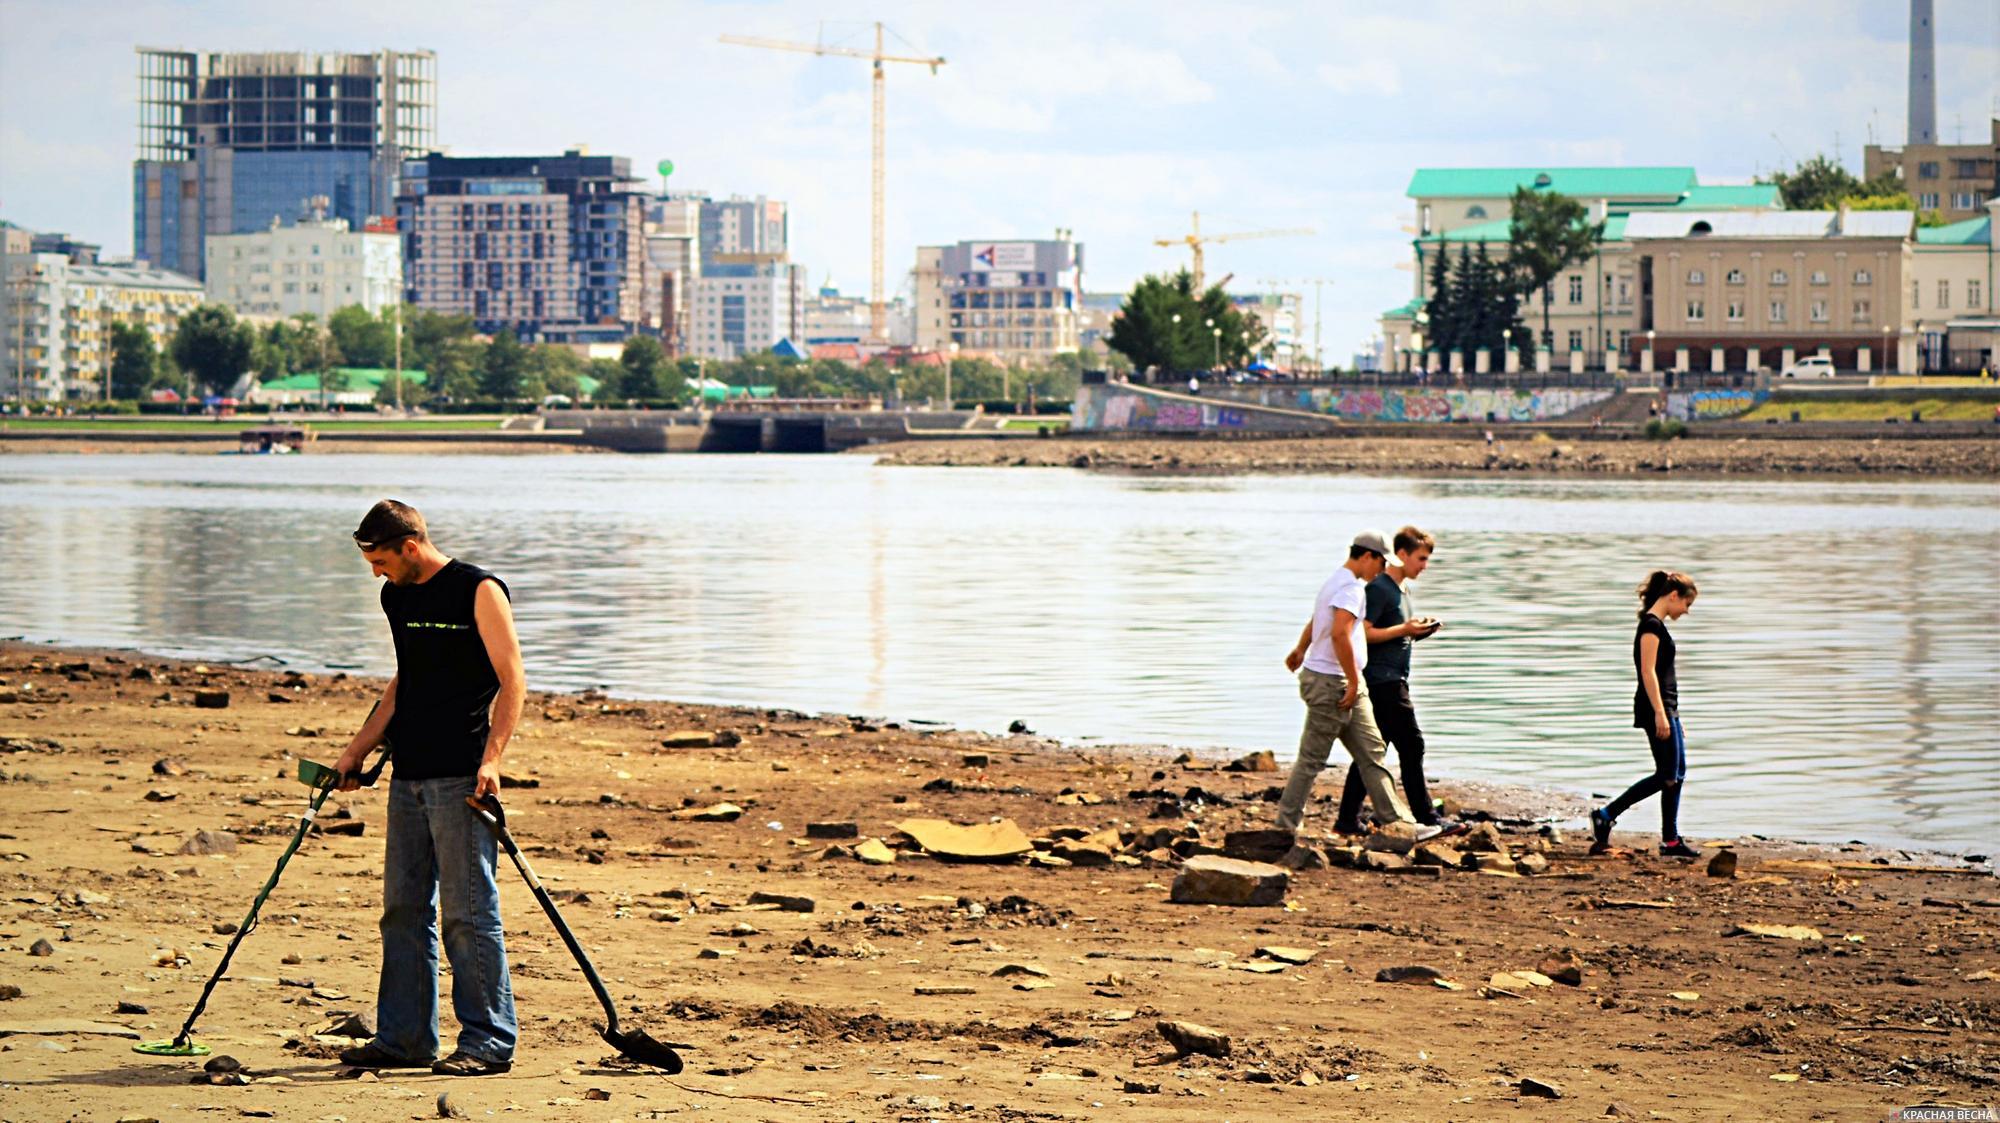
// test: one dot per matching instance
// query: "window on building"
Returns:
(1944, 295)
(1928, 200)
(1576, 341)
(1736, 310)
(1424, 220)
(1969, 169)
(1972, 294)
(1696, 312)
(1475, 211)
(1819, 311)
(1863, 277)
(1734, 277)
(1964, 200)
(1777, 311)
(1575, 289)
(1778, 277)
(1818, 276)
(1697, 277)
(1863, 310)
(1916, 290)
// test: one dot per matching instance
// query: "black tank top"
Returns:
(445, 684)
(1663, 666)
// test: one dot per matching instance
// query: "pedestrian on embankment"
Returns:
(449, 712)
(1666, 595)
(1329, 658)
(1392, 629)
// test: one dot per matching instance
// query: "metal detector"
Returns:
(322, 780)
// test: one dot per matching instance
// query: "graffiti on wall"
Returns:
(1118, 407)
(1127, 410)
(1714, 405)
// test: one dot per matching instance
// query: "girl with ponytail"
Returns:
(1666, 595)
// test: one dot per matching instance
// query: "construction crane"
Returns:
(1194, 239)
(878, 316)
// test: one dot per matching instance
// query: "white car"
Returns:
(1812, 366)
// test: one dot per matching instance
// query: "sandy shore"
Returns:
(1054, 977)
(1967, 457)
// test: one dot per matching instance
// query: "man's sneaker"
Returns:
(372, 1055)
(463, 1063)
(1448, 827)
(1678, 848)
(1600, 831)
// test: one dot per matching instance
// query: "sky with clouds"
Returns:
(1112, 119)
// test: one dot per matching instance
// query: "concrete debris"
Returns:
(1210, 879)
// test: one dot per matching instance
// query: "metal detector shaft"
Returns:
(489, 812)
(320, 792)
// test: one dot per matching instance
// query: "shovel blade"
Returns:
(637, 1045)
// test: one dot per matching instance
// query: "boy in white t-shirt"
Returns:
(1328, 658)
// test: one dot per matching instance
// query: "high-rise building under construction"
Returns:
(228, 141)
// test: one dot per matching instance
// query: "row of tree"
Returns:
(211, 349)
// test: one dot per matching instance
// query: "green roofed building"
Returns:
(343, 386)
(1595, 307)
(1954, 313)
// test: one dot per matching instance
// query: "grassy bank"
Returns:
(1873, 409)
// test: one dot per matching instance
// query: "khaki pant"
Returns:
(1355, 728)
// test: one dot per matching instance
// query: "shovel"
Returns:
(322, 780)
(633, 1044)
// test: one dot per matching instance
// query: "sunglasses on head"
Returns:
(367, 546)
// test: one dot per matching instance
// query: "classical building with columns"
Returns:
(1734, 291)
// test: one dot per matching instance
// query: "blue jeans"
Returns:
(436, 843)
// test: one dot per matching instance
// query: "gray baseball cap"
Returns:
(1374, 540)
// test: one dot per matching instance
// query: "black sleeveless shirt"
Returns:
(1663, 667)
(445, 684)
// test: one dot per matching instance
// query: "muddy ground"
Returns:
(1513, 452)
(110, 768)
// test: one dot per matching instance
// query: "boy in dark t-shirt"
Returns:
(1392, 628)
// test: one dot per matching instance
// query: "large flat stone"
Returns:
(1208, 879)
(980, 842)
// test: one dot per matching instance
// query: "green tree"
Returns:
(427, 335)
(610, 376)
(413, 390)
(365, 340)
(319, 355)
(501, 369)
(135, 362)
(1818, 184)
(1441, 308)
(647, 374)
(212, 346)
(1900, 201)
(1146, 331)
(1549, 233)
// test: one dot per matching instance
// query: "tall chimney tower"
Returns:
(1923, 75)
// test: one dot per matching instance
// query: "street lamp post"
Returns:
(1218, 348)
(1885, 350)
(1506, 348)
(1650, 356)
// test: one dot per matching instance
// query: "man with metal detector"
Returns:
(450, 710)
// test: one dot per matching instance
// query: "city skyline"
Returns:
(1111, 122)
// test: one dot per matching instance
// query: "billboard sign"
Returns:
(1004, 257)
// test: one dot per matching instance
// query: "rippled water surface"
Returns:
(1838, 672)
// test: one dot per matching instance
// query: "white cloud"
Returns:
(1370, 76)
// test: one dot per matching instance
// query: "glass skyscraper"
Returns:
(227, 142)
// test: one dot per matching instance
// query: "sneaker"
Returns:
(1600, 831)
(372, 1055)
(1448, 827)
(1678, 848)
(465, 1064)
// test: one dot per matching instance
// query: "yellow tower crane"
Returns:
(878, 316)
(1194, 239)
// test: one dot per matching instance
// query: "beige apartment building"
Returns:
(1013, 302)
(58, 311)
(1737, 291)
(1956, 180)
(1951, 302)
